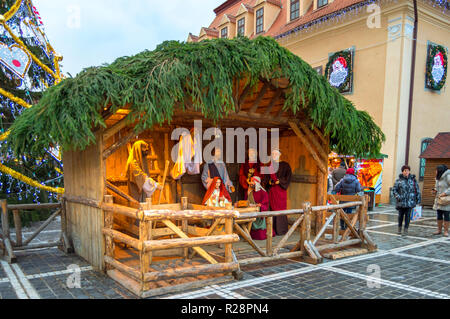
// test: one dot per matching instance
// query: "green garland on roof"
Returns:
(153, 83)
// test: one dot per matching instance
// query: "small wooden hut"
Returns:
(237, 83)
(437, 153)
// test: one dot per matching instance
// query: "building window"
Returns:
(321, 3)
(260, 21)
(241, 27)
(224, 33)
(295, 9)
(423, 161)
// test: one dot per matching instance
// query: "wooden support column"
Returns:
(336, 226)
(66, 245)
(18, 227)
(229, 246)
(145, 234)
(11, 258)
(185, 224)
(309, 147)
(269, 241)
(109, 241)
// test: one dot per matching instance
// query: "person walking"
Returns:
(338, 174)
(349, 185)
(407, 193)
(442, 201)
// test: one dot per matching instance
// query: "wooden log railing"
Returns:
(20, 244)
(176, 217)
(168, 215)
(308, 248)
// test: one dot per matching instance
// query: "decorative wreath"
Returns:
(433, 51)
(345, 57)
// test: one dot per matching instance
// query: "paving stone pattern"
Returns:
(409, 273)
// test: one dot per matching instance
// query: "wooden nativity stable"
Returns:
(240, 83)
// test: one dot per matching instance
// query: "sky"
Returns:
(93, 32)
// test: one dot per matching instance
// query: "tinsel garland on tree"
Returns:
(155, 82)
(28, 89)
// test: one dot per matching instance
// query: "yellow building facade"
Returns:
(380, 35)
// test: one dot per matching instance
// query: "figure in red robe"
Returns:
(278, 181)
(257, 196)
(248, 170)
(216, 195)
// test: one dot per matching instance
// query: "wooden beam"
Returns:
(199, 250)
(243, 96)
(113, 148)
(259, 98)
(273, 102)
(248, 239)
(282, 83)
(189, 242)
(120, 193)
(191, 272)
(313, 139)
(323, 139)
(115, 129)
(308, 146)
(47, 222)
(289, 233)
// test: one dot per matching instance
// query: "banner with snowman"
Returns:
(437, 62)
(339, 70)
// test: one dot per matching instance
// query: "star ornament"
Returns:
(15, 59)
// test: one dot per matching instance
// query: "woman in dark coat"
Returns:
(349, 185)
(406, 191)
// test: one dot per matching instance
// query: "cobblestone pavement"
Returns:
(412, 267)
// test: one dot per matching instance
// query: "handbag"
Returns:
(416, 213)
(444, 200)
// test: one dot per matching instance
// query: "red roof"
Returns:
(439, 148)
(280, 28)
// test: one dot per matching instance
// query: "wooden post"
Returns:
(145, 234)
(228, 247)
(66, 245)
(11, 258)
(362, 216)
(303, 229)
(269, 248)
(308, 217)
(5, 220)
(109, 223)
(336, 226)
(18, 227)
(185, 224)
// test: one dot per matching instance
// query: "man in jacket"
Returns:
(338, 174)
(406, 191)
(349, 185)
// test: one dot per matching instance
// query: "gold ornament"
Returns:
(2, 19)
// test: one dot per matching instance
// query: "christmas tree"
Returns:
(28, 66)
